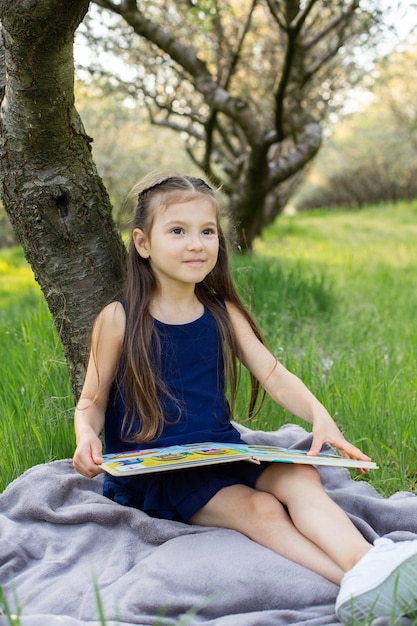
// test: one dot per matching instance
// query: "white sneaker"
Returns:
(381, 584)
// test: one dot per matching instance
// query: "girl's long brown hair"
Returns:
(144, 387)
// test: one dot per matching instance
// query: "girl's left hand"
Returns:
(326, 431)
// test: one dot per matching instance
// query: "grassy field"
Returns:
(36, 404)
(335, 293)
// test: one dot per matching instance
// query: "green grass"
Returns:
(36, 402)
(335, 293)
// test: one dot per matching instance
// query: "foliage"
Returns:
(246, 84)
(125, 148)
(371, 153)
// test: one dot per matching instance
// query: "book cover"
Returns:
(208, 453)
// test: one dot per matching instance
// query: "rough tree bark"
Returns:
(58, 206)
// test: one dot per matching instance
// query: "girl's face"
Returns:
(183, 244)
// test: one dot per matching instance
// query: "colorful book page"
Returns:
(170, 457)
(207, 453)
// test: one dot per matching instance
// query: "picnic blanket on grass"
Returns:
(68, 556)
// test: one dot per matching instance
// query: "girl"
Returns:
(163, 358)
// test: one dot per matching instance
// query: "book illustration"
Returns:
(207, 453)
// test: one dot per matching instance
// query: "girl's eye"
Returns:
(176, 231)
(209, 231)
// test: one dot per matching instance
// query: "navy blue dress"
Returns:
(193, 370)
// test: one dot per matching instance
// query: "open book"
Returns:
(208, 453)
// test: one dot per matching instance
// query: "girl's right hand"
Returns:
(88, 456)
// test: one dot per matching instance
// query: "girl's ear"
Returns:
(141, 243)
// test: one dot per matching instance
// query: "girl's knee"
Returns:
(262, 505)
(266, 517)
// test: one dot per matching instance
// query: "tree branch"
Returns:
(290, 22)
(212, 121)
(342, 20)
(237, 53)
(112, 6)
(217, 97)
(214, 179)
(180, 128)
(289, 164)
(301, 17)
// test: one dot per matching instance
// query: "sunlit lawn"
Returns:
(35, 395)
(357, 347)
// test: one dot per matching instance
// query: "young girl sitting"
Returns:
(163, 358)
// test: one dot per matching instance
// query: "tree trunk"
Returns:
(58, 206)
(248, 200)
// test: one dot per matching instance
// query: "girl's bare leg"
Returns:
(260, 516)
(314, 532)
(314, 513)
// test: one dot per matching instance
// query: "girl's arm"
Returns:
(288, 390)
(106, 346)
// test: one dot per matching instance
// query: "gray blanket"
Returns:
(67, 553)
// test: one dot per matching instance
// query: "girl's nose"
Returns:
(195, 242)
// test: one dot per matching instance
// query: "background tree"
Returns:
(247, 83)
(57, 204)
